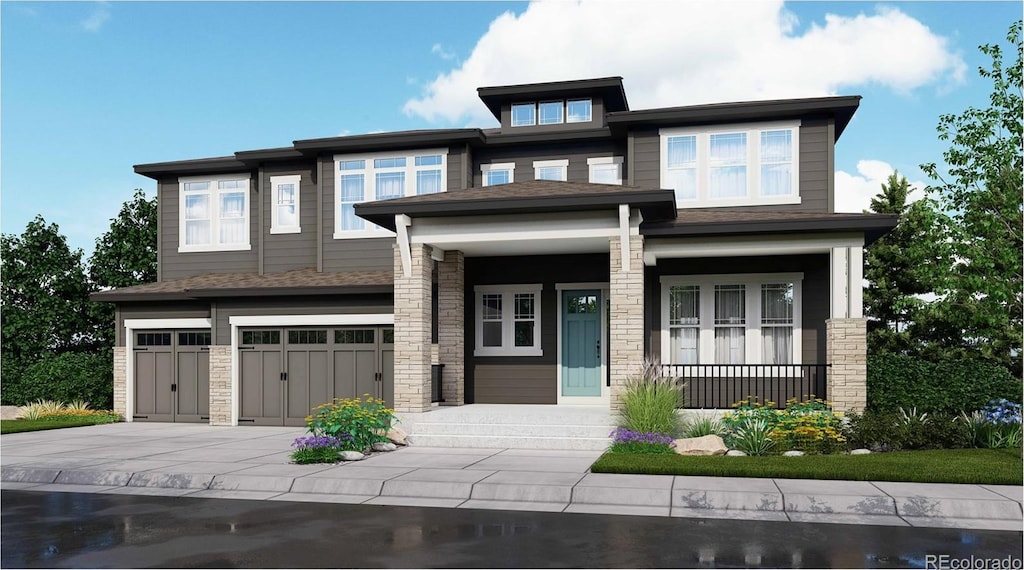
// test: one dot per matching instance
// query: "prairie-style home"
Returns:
(537, 262)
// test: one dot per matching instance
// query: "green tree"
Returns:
(981, 315)
(125, 255)
(910, 261)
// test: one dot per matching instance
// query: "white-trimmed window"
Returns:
(605, 169)
(732, 165)
(731, 319)
(284, 194)
(552, 112)
(214, 213)
(524, 114)
(368, 177)
(551, 169)
(578, 111)
(498, 173)
(508, 320)
(549, 113)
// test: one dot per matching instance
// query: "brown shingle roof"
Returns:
(298, 281)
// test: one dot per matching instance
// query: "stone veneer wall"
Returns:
(846, 348)
(451, 322)
(220, 385)
(626, 292)
(120, 380)
(412, 331)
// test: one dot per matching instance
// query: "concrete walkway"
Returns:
(252, 463)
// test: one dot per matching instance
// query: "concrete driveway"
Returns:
(253, 463)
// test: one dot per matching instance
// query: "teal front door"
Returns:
(581, 343)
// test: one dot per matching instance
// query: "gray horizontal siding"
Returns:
(169, 310)
(815, 292)
(814, 166)
(516, 384)
(524, 155)
(284, 252)
(174, 265)
(332, 305)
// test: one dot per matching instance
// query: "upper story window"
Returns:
(732, 165)
(498, 173)
(284, 194)
(363, 178)
(214, 213)
(551, 170)
(552, 112)
(605, 169)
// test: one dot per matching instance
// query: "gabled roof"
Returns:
(701, 222)
(609, 88)
(533, 196)
(306, 281)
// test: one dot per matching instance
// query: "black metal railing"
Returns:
(719, 386)
(436, 376)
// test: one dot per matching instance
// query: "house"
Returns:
(537, 262)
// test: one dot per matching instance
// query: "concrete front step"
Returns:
(513, 430)
(518, 414)
(509, 441)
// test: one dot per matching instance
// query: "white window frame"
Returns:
(752, 337)
(508, 347)
(561, 112)
(487, 168)
(562, 164)
(590, 116)
(275, 201)
(602, 162)
(753, 196)
(512, 114)
(370, 183)
(214, 196)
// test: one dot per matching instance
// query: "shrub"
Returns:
(810, 433)
(907, 430)
(703, 424)
(359, 424)
(997, 425)
(752, 436)
(898, 381)
(650, 401)
(629, 441)
(101, 416)
(67, 376)
(748, 409)
(318, 449)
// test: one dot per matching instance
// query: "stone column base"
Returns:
(121, 381)
(846, 349)
(220, 385)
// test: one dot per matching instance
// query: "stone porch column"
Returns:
(220, 385)
(451, 326)
(626, 292)
(120, 380)
(846, 348)
(412, 330)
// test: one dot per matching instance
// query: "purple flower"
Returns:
(319, 441)
(623, 435)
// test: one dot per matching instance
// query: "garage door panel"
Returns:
(365, 373)
(271, 384)
(190, 392)
(307, 384)
(344, 374)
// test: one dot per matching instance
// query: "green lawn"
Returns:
(988, 466)
(15, 426)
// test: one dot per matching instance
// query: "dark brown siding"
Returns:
(516, 384)
(814, 166)
(325, 305)
(546, 270)
(815, 292)
(284, 252)
(176, 265)
(168, 310)
(524, 155)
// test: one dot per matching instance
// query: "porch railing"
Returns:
(718, 386)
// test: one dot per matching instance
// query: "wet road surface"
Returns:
(96, 530)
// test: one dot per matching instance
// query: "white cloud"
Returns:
(445, 54)
(855, 191)
(95, 20)
(679, 53)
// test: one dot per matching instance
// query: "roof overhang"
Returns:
(872, 226)
(609, 88)
(748, 245)
(218, 165)
(383, 141)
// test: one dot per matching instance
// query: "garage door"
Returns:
(285, 373)
(172, 376)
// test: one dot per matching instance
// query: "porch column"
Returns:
(120, 381)
(220, 385)
(626, 294)
(846, 345)
(451, 326)
(412, 330)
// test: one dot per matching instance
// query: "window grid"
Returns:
(579, 111)
(355, 336)
(550, 113)
(261, 337)
(307, 337)
(524, 114)
(214, 214)
(153, 339)
(382, 177)
(684, 323)
(508, 320)
(285, 192)
(524, 321)
(194, 339)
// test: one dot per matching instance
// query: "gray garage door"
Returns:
(172, 376)
(285, 373)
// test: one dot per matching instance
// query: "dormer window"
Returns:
(524, 114)
(552, 112)
(578, 111)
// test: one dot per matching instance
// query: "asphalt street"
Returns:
(96, 530)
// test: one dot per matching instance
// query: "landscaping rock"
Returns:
(351, 456)
(792, 454)
(736, 453)
(397, 436)
(382, 446)
(860, 452)
(705, 445)
(10, 412)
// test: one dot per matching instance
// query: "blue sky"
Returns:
(89, 89)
